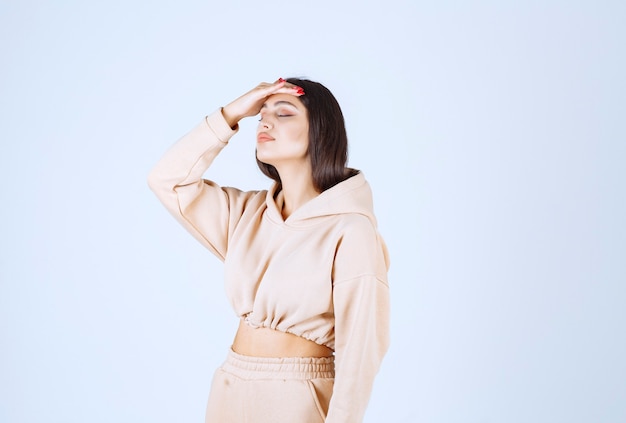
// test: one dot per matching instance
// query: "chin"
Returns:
(269, 159)
(264, 159)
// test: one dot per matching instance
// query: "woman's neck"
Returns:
(297, 188)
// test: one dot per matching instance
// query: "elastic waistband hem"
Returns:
(246, 367)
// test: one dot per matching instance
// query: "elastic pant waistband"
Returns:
(246, 367)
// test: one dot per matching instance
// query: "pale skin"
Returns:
(282, 141)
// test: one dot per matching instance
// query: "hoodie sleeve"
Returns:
(207, 211)
(361, 303)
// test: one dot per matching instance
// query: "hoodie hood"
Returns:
(353, 195)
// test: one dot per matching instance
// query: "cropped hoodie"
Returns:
(320, 274)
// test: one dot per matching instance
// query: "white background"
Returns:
(493, 135)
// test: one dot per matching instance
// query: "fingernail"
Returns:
(300, 91)
(281, 80)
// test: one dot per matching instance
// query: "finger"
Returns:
(283, 86)
(288, 84)
(279, 83)
(280, 86)
(291, 89)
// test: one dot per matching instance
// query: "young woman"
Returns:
(305, 267)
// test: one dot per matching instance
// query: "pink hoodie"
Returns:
(320, 274)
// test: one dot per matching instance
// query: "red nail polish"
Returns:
(300, 91)
(281, 80)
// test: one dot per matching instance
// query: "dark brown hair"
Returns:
(328, 141)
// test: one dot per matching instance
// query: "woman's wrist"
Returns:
(231, 119)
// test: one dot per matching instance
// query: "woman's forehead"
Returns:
(277, 100)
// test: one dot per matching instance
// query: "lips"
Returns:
(263, 137)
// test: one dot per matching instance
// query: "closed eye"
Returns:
(278, 115)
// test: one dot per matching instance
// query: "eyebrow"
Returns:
(281, 103)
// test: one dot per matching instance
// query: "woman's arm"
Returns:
(361, 302)
(210, 213)
(203, 208)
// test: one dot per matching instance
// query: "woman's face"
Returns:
(283, 132)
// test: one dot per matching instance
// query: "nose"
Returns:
(265, 124)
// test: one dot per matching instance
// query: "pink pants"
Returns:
(271, 390)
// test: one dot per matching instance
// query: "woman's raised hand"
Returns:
(250, 103)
